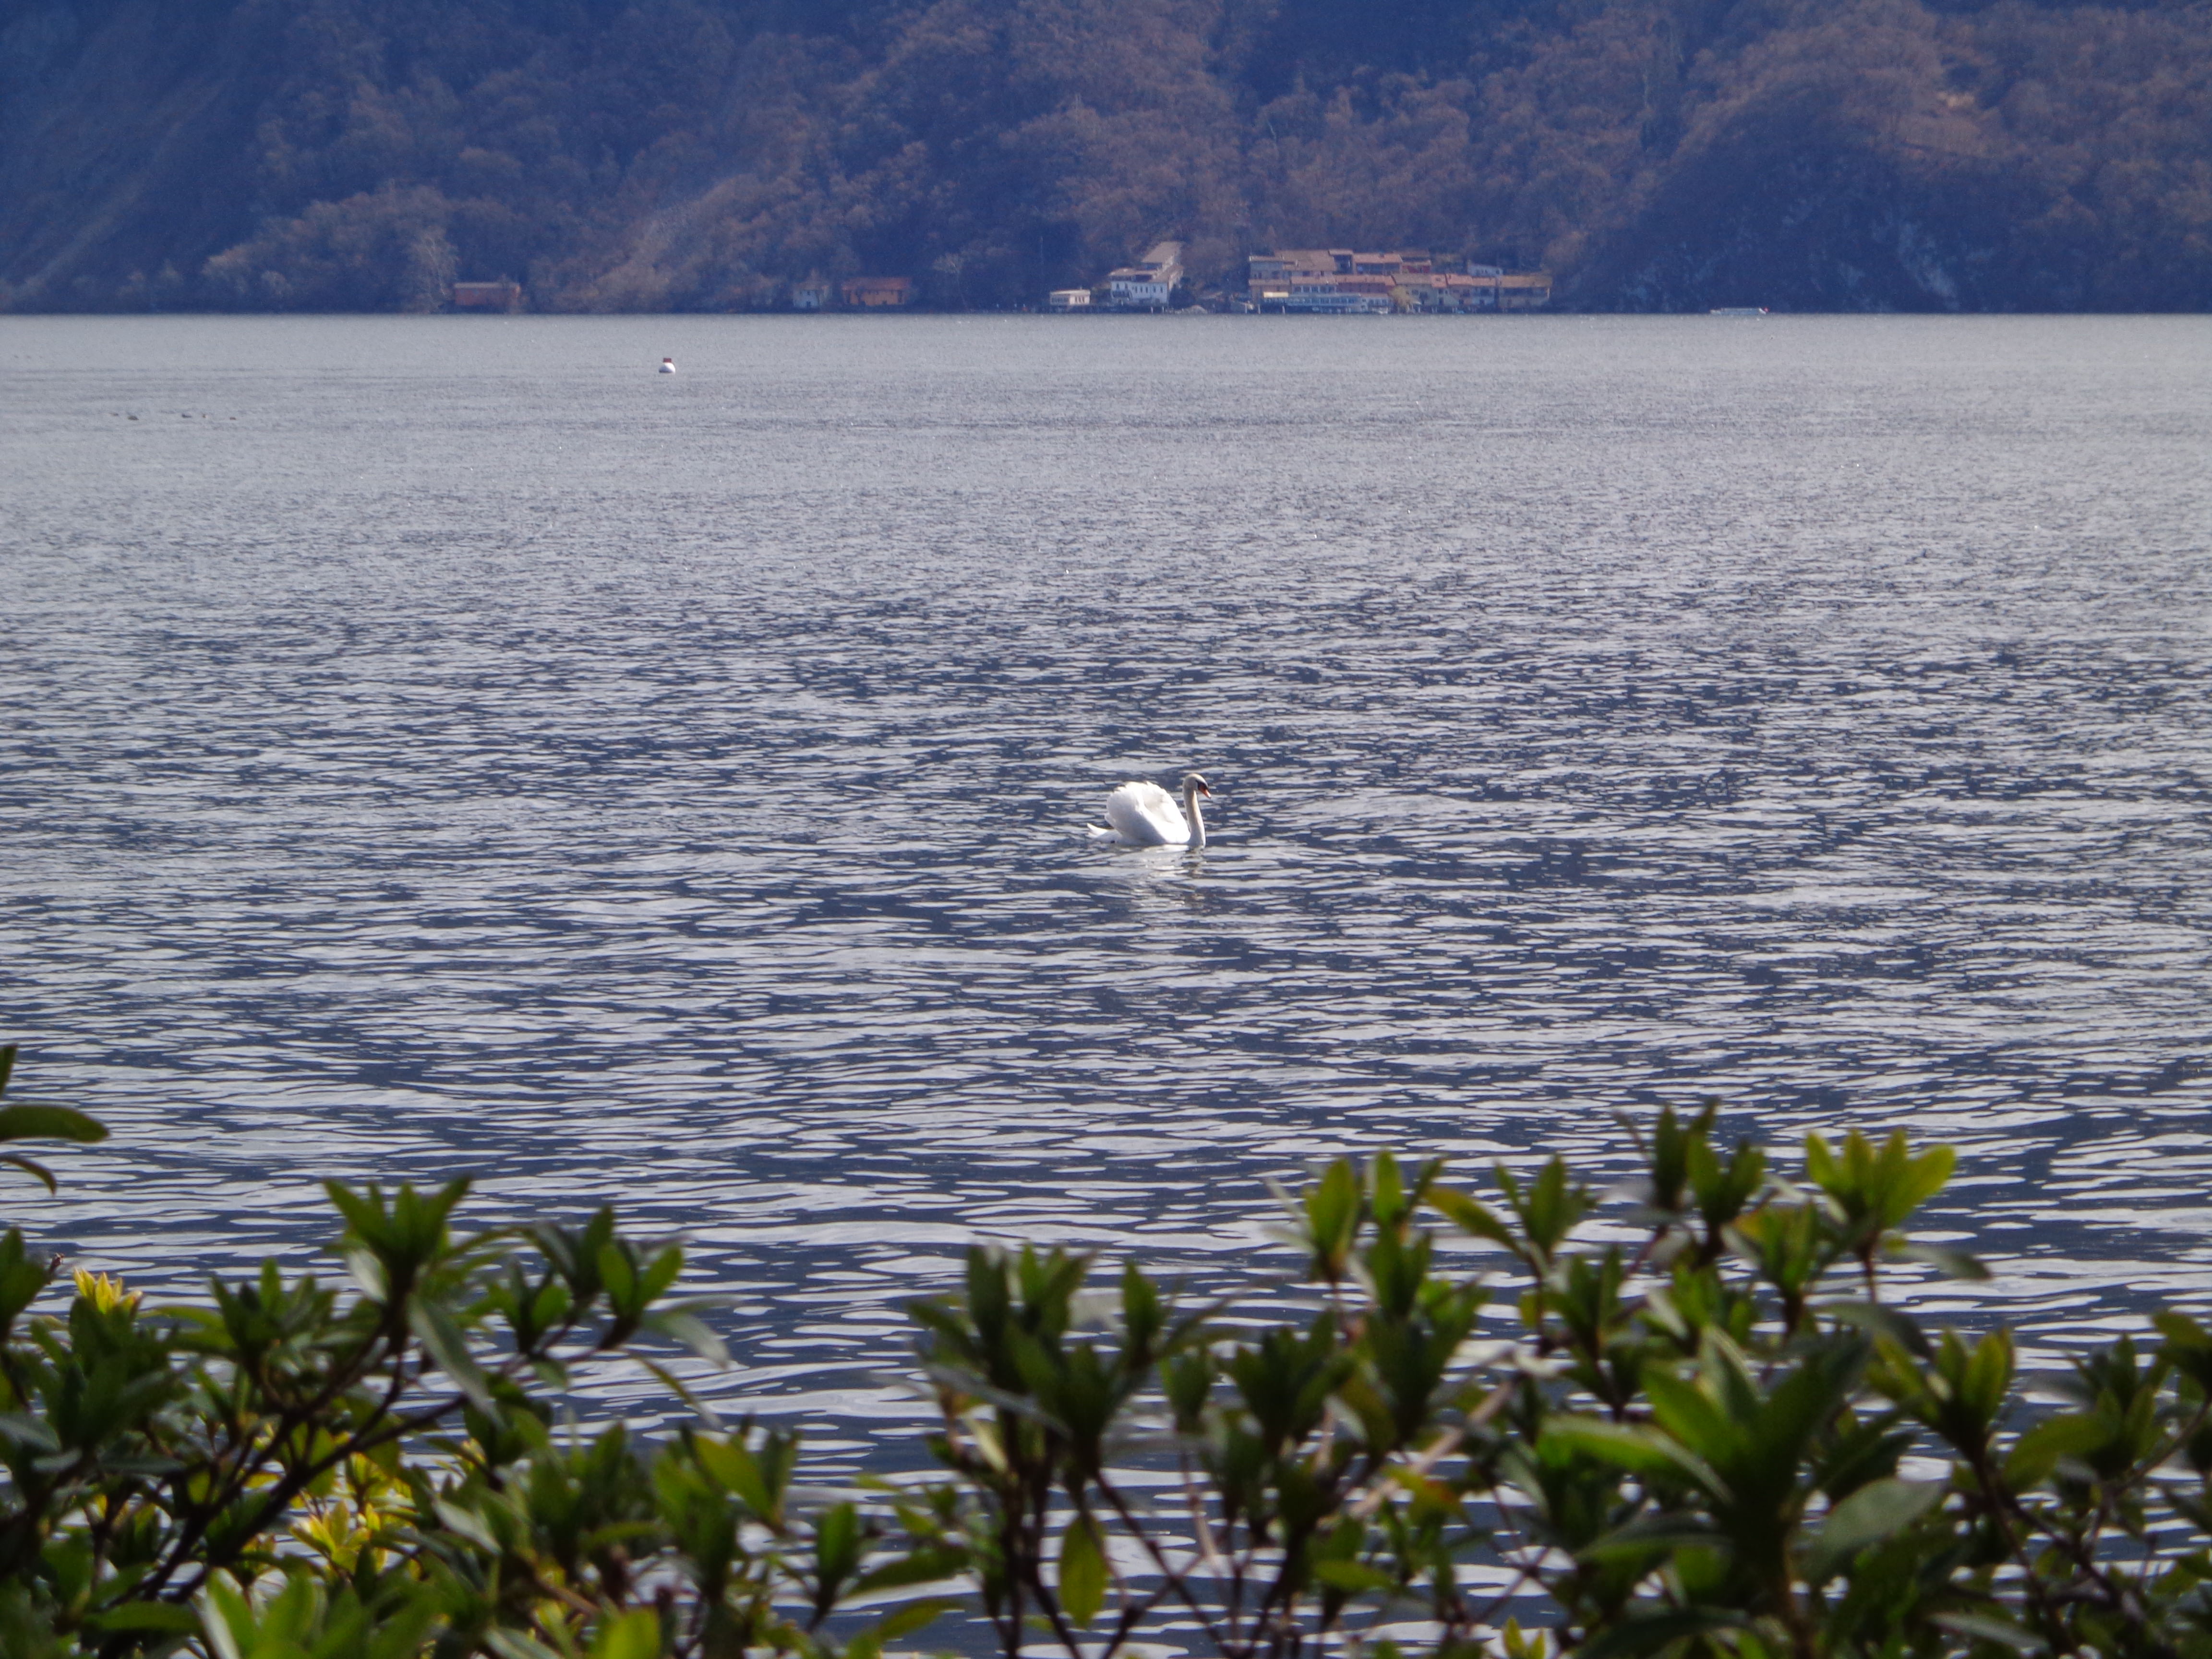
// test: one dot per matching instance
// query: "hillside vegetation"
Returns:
(700, 153)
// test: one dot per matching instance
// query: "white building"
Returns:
(1135, 287)
(1147, 284)
(1068, 299)
(1324, 302)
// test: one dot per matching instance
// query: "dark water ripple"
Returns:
(437, 746)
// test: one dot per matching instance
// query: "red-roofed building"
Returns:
(876, 293)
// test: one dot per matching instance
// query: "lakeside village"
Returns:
(1313, 281)
(1319, 282)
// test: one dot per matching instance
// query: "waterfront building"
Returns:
(1524, 291)
(1287, 265)
(1299, 279)
(1312, 300)
(487, 296)
(876, 293)
(1148, 284)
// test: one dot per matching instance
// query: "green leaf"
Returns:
(1083, 1576)
(1878, 1320)
(514, 1644)
(22, 1277)
(1354, 1577)
(1870, 1514)
(1923, 1178)
(1952, 1264)
(1640, 1451)
(1430, 1495)
(164, 1618)
(1553, 1206)
(367, 1272)
(1653, 1534)
(1331, 1213)
(287, 1617)
(25, 1429)
(49, 1123)
(365, 1216)
(661, 1271)
(456, 1518)
(927, 1565)
(442, 1340)
(32, 1167)
(1647, 1632)
(632, 1635)
(839, 1537)
(911, 1618)
(2037, 1452)
(226, 1616)
(689, 1332)
(2182, 1331)
(732, 1464)
(618, 1277)
(402, 1635)
(2187, 1348)
(1471, 1216)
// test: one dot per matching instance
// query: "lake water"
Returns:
(444, 745)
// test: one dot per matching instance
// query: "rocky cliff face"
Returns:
(1658, 155)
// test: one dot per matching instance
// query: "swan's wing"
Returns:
(1145, 815)
(1125, 811)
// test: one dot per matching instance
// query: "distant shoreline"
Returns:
(1716, 314)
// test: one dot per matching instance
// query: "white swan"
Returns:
(1145, 815)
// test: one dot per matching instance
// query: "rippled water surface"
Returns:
(445, 745)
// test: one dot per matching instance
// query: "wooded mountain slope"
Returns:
(699, 154)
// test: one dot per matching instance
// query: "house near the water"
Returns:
(1148, 284)
(487, 296)
(878, 293)
(1344, 281)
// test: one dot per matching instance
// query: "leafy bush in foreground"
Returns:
(1688, 1425)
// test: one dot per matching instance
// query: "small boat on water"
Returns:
(1738, 311)
(668, 365)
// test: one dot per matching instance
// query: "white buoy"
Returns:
(668, 365)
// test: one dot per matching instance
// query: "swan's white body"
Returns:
(1145, 815)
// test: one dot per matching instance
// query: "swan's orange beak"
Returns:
(1203, 790)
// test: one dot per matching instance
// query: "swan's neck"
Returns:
(1197, 819)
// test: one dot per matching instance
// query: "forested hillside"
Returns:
(701, 154)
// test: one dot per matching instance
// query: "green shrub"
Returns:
(1688, 1437)
(293, 1472)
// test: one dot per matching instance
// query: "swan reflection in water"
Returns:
(1143, 814)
